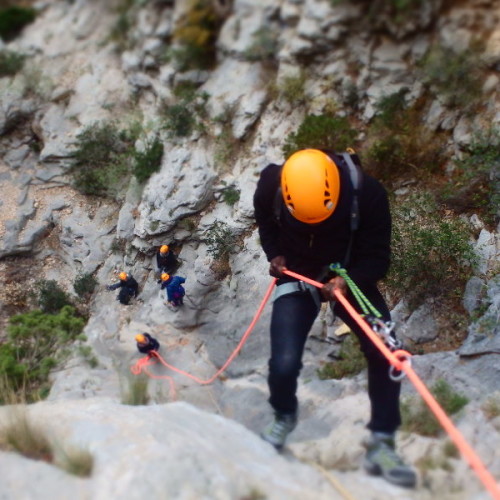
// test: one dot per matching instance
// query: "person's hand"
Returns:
(277, 266)
(108, 288)
(336, 283)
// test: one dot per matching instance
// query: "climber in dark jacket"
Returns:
(174, 289)
(129, 288)
(166, 261)
(305, 229)
(146, 343)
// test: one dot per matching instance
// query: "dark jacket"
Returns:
(152, 345)
(309, 249)
(130, 284)
(175, 291)
(166, 263)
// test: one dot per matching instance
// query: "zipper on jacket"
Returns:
(311, 240)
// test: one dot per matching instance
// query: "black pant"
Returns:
(292, 318)
(125, 294)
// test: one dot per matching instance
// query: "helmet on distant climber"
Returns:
(310, 185)
(123, 276)
(140, 338)
(165, 276)
(164, 249)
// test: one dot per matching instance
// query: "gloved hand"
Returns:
(277, 266)
(108, 288)
(337, 283)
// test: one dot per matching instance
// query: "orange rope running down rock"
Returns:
(141, 363)
(400, 361)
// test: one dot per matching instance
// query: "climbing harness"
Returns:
(297, 286)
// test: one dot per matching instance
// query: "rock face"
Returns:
(197, 441)
(162, 452)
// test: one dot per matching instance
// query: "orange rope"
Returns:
(404, 365)
(399, 359)
(142, 363)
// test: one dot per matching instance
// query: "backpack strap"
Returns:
(277, 204)
(356, 177)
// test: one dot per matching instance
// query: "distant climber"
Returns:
(166, 261)
(174, 290)
(146, 343)
(129, 288)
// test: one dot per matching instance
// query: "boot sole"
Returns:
(376, 470)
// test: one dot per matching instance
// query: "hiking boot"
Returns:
(382, 460)
(277, 431)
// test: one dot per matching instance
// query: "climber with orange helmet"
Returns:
(166, 260)
(316, 209)
(173, 288)
(146, 343)
(128, 288)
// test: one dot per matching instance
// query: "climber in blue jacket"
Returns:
(174, 289)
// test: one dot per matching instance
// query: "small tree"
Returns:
(37, 344)
(51, 297)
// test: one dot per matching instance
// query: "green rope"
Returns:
(366, 306)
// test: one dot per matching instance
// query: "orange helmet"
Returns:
(123, 276)
(310, 185)
(140, 338)
(164, 249)
(165, 276)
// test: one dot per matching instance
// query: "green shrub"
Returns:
(321, 132)
(231, 195)
(10, 62)
(196, 33)
(491, 406)
(183, 116)
(51, 297)
(475, 183)
(456, 76)
(350, 361)
(37, 344)
(126, 11)
(13, 19)
(225, 142)
(397, 11)
(220, 240)
(101, 159)
(179, 120)
(397, 143)
(292, 89)
(148, 161)
(84, 285)
(418, 418)
(264, 46)
(431, 251)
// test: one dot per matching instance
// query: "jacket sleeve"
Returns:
(371, 248)
(115, 286)
(263, 202)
